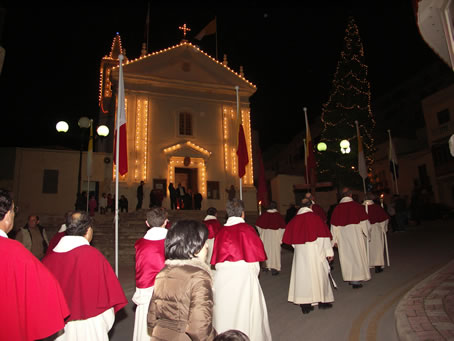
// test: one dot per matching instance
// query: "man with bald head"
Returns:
(350, 229)
(32, 303)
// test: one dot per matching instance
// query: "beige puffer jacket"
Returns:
(182, 304)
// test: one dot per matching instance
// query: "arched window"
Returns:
(185, 123)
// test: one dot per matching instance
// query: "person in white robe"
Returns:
(350, 229)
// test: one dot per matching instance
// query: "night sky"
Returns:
(51, 70)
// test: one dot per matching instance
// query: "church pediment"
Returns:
(187, 148)
(185, 64)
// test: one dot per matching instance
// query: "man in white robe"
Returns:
(350, 229)
(311, 239)
(238, 298)
(271, 227)
(378, 246)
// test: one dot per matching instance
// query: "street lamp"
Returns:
(345, 147)
(84, 123)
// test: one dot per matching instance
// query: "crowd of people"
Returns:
(187, 273)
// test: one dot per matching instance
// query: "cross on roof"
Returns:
(184, 28)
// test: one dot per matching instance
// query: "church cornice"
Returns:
(176, 149)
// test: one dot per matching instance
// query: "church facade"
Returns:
(183, 115)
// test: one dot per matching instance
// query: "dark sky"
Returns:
(51, 70)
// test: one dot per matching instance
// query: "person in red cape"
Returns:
(317, 209)
(378, 220)
(91, 288)
(213, 225)
(238, 298)
(311, 240)
(271, 227)
(150, 258)
(33, 305)
(350, 229)
(60, 234)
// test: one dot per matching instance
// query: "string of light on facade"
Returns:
(226, 135)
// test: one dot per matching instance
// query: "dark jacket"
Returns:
(182, 303)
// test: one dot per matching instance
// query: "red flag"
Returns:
(262, 190)
(243, 158)
(121, 126)
(309, 157)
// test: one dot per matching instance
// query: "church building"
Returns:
(183, 116)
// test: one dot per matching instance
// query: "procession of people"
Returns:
(211, 269)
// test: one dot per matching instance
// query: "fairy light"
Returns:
(226, 136)
(145, 139)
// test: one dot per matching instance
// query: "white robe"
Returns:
(378, 243)
(351, 242)
(309, 280)
(95, 328)
(272, 240)
(238, 298)
(142, 296)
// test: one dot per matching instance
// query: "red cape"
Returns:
(376, 214)
(238, 242)
(54, 241)
(32, 304)
(318, 210)
(88, 281)
(305, 228)
(150, 258)
(213, 226)
(348, 213)
(270, 221)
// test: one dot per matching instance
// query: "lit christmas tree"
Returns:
(349, 101)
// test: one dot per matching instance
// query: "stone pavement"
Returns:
(426, 312)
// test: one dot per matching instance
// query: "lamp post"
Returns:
(84, 123)
(344, 148)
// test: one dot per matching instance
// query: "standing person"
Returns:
(378, 220)
(91, 288)
(290, 213)
(182, 304)
(92, 205)
(317, 209)
(350, 229)
(110, 203)
(33, 304)
(271, 227)
(198, 201)
(150, 257)
(311, 239)
(173, 197)
(103, 204)
(139, 196)
(181, 192)
(33, 236)
(213, 225)
(123, 203)
(237, 254)
(231, 192)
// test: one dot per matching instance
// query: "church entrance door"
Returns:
(187, 177)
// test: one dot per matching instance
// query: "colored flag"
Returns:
(262, 190)
(393, 164)
(309, 157)
(90, 151)
(207, 30)
(362, 168)
(121, 126)
(243, 158)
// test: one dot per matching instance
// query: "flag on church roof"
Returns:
(362, 167)
(121, 159)
(207, 30)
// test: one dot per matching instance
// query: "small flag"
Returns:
(243, 158)
(207, 30)
(121, 125)
(309, 157)
(362, 168)
(393, 164)
(90, 151)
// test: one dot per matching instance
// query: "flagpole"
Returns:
(394, 164)
(359, 141)
(305, 160)
(117, 157)
(238, 124)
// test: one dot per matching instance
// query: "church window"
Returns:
(213, 190)
(185, 123)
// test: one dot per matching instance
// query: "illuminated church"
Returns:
(182, 125)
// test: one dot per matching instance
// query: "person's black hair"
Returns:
(306, 202)
(212, 211)
(231, 335)
(184, 239)
(79, 224)
(234, 208)
(272, 205)
(156, 216)
(6, 202)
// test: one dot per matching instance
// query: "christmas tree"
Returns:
(349, 101)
